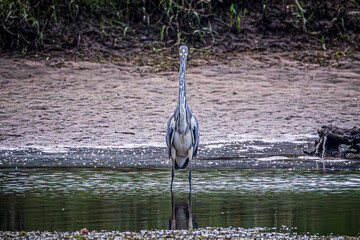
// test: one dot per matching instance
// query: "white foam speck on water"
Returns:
(65, 148)
(220, 141)
(321, 160)
(273, 158)
(211, 146)
(139, 145)
(330, 160)
(45, 149)
(259, 148)
(309, 157)
(297, 139)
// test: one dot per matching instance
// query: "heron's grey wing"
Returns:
(170, 134)
(195, 133)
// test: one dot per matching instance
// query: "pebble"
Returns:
(201, 233)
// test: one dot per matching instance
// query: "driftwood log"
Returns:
(337, 142)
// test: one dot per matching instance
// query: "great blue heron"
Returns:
(182, 133)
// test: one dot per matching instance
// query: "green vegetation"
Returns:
(38, 24)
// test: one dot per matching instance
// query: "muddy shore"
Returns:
(253, 97)
(250, 102)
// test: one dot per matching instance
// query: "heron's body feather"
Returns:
(182, 143)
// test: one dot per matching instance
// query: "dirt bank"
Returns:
(254, 96)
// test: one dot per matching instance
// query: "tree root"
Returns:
(337, 142)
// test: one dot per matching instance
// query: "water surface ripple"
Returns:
(113, 183)
(133, 200)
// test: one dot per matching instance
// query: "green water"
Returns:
(130, 200)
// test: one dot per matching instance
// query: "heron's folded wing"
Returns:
(195, 133)
(170, 134)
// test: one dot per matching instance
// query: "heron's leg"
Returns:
(172, 177)
(173, 158)
(190, 153)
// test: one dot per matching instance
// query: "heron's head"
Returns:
(183, 51)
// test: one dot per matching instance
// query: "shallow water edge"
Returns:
(134, 200)
(230, 155)
(242, 184)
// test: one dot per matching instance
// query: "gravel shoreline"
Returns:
(221, 156)
(202, 233)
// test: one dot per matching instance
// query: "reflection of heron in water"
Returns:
(181, 214)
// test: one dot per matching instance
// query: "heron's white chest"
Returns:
(182, 143)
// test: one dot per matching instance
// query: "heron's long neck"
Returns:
(182, 100)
